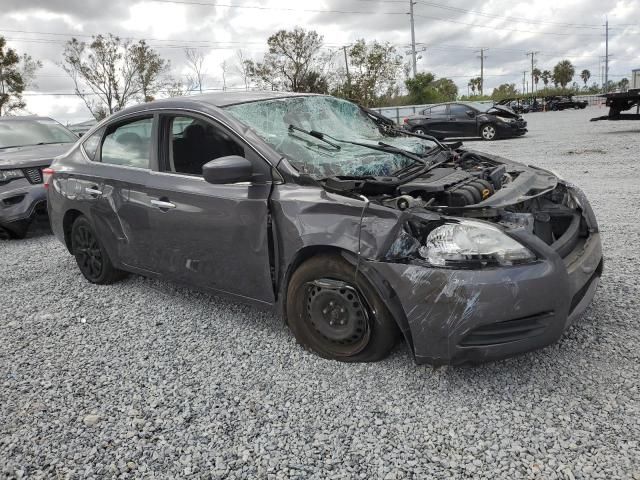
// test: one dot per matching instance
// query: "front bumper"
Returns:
(19, 201)
(470, 316)
(512, 129)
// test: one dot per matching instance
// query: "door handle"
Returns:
(162, 205)
(92, 191)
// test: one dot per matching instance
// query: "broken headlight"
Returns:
(7, 175)
(472, 244)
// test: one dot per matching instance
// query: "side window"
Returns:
(128, 144)
(439, 110)
(458, 110)
(92, 143)
(194, 142)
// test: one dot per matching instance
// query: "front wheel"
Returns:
(420, 131)
(336, 316)
(488, 132)
(91, 257)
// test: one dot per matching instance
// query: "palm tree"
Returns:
(472, 84)
(536, 76)
(563, 73)
(585, 75)
(545, 76)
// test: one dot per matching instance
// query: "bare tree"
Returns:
(243, 66)
(224, 66)
(195, 62)
(175, 88)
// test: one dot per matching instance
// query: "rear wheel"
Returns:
(420, 131)
(91, 257)
(336, 316)
(488, 131)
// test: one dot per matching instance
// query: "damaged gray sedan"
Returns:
(357, 232)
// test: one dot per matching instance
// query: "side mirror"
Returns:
(471, 113)
(231, 169)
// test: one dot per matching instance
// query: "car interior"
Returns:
(195, 142)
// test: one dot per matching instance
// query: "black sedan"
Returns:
(564, 103)
(467, 119)
(358, 234)
(27, 145)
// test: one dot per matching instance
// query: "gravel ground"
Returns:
(146, 379)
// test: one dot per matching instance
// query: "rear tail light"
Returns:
(406, 120)
(47, 176)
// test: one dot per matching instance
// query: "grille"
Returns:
(33, 174)
(507, 331)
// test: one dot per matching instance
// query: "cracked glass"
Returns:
(340, 119)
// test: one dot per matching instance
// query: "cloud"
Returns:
(449, 34)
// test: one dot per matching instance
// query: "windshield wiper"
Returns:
(319, 135)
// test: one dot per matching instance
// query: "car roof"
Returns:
(224, 99)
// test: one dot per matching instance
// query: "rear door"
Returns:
(462, 125)
(213, 236)
(112, 189)
(437, 122)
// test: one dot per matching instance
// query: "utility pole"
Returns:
(524, 79)
(606, 56)
(346, 66)
(413, 39)
(533, 54)
(482, 56)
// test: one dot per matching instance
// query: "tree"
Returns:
(374, 71)
(506, 90)
(197, 72)
(16, 74)
(294, 62)
(149, 66)
(476, 84)
(242, 67)
(546, 77)
(563, 73)
(623, 85)
(585, 75)
(108, 74)
(536, 73)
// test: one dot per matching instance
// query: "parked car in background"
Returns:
(467, 119)
(564, 102)
(357, 232)
(27, 146)
(515, 104)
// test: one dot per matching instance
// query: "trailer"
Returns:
(621, 102)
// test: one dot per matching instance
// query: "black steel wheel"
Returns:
(336, 316)
(91, 257)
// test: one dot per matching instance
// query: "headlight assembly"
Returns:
(6, 175)
(504, 119)
(472, 244)
(457, 243)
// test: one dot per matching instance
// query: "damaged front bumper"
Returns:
(19, 201)
(454, 316)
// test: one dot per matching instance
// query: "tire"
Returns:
(488, 132)
(420, 131)
(91, 257)
(314, 312)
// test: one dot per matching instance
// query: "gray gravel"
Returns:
(148, 379)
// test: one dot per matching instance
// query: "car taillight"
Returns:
(406, 120)
(47, 175)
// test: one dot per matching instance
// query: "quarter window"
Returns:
(128, 144)
(92, 143)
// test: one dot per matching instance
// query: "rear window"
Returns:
(28, 132)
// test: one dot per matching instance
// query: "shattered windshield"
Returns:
(340, 119)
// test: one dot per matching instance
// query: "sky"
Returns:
(449, 35)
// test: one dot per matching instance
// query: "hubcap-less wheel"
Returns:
(338, 318)
(88, 253)
(488, 132)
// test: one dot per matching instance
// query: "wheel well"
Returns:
(67, 224)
